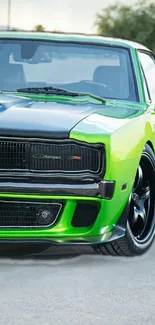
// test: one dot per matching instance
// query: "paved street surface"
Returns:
(60, 288)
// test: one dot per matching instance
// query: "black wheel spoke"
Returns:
(138, 218)
(139, 180)
(145, 195)
(140, 203)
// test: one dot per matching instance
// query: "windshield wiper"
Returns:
(57, 91)
(48, 91)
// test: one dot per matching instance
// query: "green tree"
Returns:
(135, 22)
(39, 28)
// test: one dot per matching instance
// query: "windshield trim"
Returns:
(91, 43)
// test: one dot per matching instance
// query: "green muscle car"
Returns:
(77, 142)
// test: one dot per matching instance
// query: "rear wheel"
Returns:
(140, 227)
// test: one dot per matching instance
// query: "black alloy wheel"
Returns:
(140, 225)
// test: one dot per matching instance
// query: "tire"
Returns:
(140, 226)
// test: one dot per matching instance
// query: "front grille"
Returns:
(22, 214)
(35, 157)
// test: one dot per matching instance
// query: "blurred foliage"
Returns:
(39, 28)
(136, 22)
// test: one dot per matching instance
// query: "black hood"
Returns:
(33, 118)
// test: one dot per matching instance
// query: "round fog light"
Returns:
(45, 216)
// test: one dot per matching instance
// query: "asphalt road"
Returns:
(59, 288)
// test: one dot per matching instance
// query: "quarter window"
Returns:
(148, 65)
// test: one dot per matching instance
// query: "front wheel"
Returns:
(140, 226)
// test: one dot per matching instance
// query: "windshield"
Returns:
(101, 70)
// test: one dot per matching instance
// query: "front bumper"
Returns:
(104, 228)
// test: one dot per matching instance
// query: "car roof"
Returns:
(85, 38)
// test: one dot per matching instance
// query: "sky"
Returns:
(64, 15)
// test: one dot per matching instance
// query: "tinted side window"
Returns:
(148, 64)
(146, 88)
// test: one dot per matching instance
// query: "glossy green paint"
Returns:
(123, 151)
(123, 127)
(83, 99)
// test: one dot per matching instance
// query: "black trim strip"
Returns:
(59, 241)
(104, 188)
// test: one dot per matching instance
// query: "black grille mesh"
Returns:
(48, 157)
(25, 214)
(64, 157)
(13, 155)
